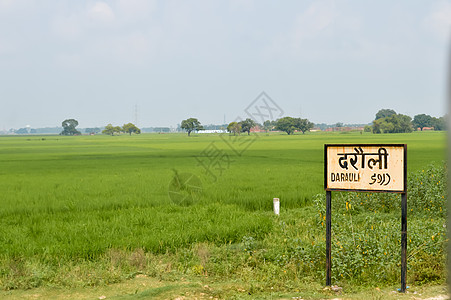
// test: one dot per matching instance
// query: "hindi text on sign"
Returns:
(365, 167)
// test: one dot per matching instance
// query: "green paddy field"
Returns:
(96, 210)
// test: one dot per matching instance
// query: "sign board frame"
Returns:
(399, 146)
(402, 191)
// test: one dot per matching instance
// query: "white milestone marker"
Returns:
(276, 204)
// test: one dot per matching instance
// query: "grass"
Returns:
(94, 210)
(145, 287)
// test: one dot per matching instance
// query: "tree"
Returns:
(191, 124)
(247, 125)
(439, 123)
(421, 121)
(111, 130)
(118, 129)
(92, 130)
(22, 131)
(403, 124)
(268, 125)
(69, 127)
(339, 124)
(397, 123)
(383, 113)
(377, 126)
(286, 124)
(234, 127)
(131, 128)
(290, 125)
(303, 125)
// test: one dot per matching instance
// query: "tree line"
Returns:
(388, 121)
(126, 128)
(286, 124)
(70, 124)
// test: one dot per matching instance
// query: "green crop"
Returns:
(90, 210)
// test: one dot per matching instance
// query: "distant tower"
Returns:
(136, 115)
(224, 119)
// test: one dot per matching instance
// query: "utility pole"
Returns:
(136, 115)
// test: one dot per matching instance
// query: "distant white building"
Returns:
(212, 131)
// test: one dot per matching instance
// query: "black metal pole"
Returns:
(328, 238)
(403, 241)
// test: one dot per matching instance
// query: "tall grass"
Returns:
(367, 231)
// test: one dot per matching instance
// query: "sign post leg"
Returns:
(403, 241)
(328, 238)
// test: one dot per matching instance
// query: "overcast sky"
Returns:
(328, 61)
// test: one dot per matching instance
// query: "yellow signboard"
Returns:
(365, 167)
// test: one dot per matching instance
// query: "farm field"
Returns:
(89, 211)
